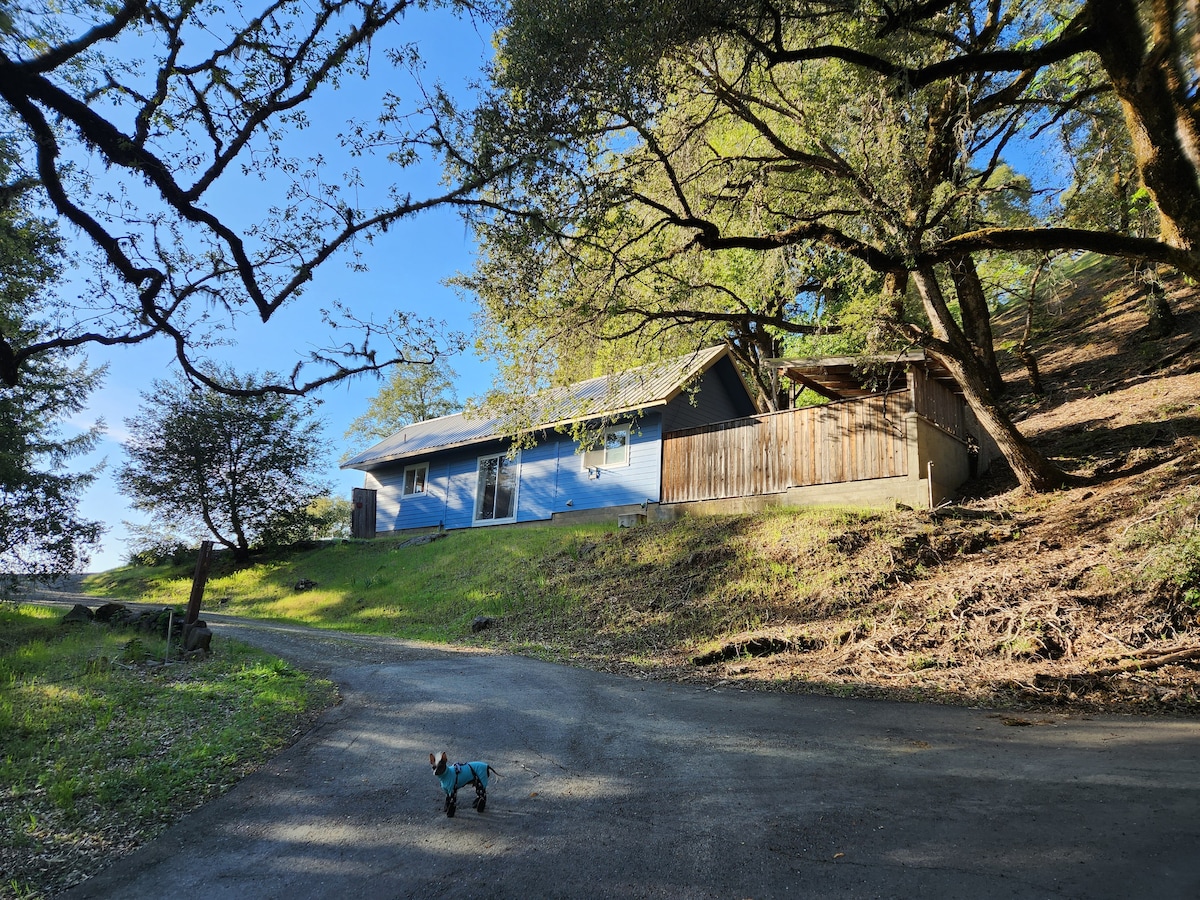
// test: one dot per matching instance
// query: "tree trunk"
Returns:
(950, 348)
(977, 320)
(1162, 130)
(1024, 350)
(1160, 319)
(1033, 470)
(752, 348)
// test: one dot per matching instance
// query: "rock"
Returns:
(135, 618)
(197, 637)
(79, 613)
(481, 623)
(155, 622)
(126, 618)
(111, 612)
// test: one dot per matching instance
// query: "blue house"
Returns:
(461, 471)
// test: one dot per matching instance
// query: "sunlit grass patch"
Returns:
(660, 584)
(101, 753)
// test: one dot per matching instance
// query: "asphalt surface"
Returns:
(612, 787)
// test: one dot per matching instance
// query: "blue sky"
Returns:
(406, 269)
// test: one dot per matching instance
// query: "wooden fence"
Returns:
(938, 403)
(850, 440)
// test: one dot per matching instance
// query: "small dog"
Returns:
(454, 776)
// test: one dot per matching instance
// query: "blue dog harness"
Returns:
(463, 774)
(453, 777)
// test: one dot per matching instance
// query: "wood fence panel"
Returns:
(803, 443)
(834, 434)
(767, 454)
(938, 403)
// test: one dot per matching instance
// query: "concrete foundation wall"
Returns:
(669, 512)
(883, 493)
(604, 516)
(879, 492)
(951, 465)
(989, 452)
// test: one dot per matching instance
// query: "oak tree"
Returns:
(668, 133)
(140, 123)
(412, 394)
(713, 151)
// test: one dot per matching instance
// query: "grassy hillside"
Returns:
(1087, 596)
(679, 583)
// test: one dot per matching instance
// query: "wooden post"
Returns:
(198, 579)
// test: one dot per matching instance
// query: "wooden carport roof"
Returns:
(847, 377)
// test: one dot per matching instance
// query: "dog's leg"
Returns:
(451, 803)
(480, 796)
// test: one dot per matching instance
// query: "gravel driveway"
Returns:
(612, 787)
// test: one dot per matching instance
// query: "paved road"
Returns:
(613, 787)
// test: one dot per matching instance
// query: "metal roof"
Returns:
(646, 387)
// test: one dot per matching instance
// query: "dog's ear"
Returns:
(433, 760)
(445, 761)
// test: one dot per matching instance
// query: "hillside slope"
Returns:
(1090, 594)
(1085, 597)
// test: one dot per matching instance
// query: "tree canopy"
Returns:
(729, 168)
(412, 394)
(242, 468)
(138, 122)
(42, 533)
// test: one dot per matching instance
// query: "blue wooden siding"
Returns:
(636, 482)
(394, 511)
(460, 493)
(721, 397)
(538, 486)
(548, 476)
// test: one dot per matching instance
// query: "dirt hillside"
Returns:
(1087, 597)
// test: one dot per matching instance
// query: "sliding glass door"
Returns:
(496, 490)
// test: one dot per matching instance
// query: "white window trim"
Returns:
(602, 450)
(404, 492)
(514, 461)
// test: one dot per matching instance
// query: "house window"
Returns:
(415, 478)
(611, 449)
(496, 490)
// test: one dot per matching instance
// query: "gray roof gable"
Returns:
(646, 387)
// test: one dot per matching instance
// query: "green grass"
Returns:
(560, 589)
(101, 745)
(429, 592)
(1169, 541)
